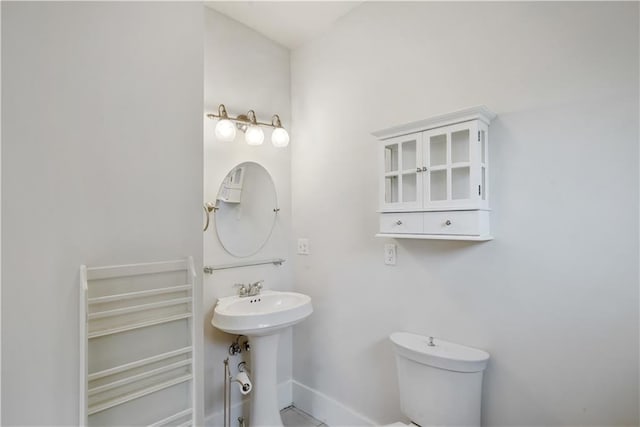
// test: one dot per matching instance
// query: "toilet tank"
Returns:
(440, 382)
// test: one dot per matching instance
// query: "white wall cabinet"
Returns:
(434, 177)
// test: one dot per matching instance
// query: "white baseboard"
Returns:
(325, 408)
(241, 408)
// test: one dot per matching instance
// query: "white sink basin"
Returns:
(263, 314)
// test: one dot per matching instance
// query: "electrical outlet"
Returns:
(390, 254)
(303, 246)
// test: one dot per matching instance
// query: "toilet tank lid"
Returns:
(444, 354)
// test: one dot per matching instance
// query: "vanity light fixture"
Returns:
(225, 129)
(279, 137)
(250, 126)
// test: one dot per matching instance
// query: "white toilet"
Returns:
(440, 382)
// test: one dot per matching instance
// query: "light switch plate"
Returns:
(303, 246)
(390, 254)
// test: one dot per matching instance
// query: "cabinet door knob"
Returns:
(447, 222)
(398, 222)
(418, 170)
(424, 169)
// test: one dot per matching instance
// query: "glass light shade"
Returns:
(225, 131)
(254, 135)
(280, 137)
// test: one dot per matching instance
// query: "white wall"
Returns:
(0, 218)
(101, 164)
(243, 70)
(554, 298)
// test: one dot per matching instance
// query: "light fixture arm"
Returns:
(222, 112)
(275, 121)
(251, 115)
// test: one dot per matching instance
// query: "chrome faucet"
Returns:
(250, 290)
(254, 288)
(242, 289)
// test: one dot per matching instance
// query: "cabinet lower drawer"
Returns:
(440, 223)
(401, 223)
(470, 223)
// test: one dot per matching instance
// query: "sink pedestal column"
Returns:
(264, 399)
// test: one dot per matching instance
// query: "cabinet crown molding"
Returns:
(480, 112)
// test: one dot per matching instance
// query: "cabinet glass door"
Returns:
(483, 189)
(391, 176)
(460, 165)
(402, 189)
(438, 154)
(448, 155)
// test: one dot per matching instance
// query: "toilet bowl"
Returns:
(440, 382)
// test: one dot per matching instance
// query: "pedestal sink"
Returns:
(262, 318)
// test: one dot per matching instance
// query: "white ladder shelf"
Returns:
(137, 341)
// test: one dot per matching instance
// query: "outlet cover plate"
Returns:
(303, 246)
(390, 254)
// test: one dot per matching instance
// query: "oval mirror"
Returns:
(246, 209)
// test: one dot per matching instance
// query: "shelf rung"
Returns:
(138, 294)
(460, 165)
(171, 418)
(129, 397)
(97, 273)
(138, 363)
(138, 377)
(138, 308)
(105, 332)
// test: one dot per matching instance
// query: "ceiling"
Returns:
(290, 23)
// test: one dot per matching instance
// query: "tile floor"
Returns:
(294, 417)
